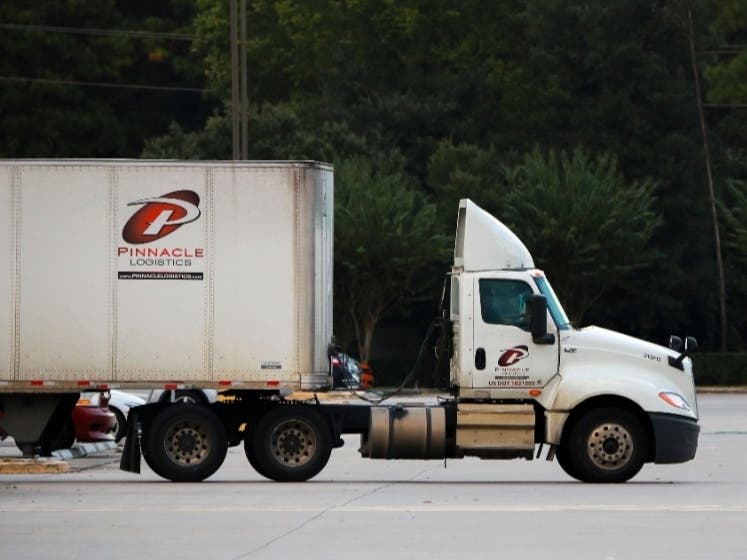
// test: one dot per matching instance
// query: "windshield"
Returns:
(556, 310)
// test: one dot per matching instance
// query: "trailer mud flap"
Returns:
(130, 460)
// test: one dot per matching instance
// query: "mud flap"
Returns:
(130, 460)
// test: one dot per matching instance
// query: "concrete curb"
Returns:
(721, 389)
(38, 465)
(83, 450)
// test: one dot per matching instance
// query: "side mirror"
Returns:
(675, 343)
(537, 305)
(691, 345)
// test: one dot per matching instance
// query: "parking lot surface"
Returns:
(360, 509)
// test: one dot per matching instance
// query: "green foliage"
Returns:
(463, 171)
(276, 132)
(727, 75)
(212, 142)
(386, 245)
(463, 90)
(720, 368)
(734, 211)
(582, 222)
(58, 113)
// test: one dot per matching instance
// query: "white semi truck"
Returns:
(213, 275)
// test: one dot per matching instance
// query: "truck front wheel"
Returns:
(185, 443)
(290, 443)
(605, 445)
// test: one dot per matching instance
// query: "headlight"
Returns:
(675, 400)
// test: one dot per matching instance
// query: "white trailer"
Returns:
(163, 275)
(181, 276)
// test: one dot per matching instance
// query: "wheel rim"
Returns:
(610, 446)
(187, 443)
(293, 443)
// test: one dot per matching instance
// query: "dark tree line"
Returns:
(574, 122)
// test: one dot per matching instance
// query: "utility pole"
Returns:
(234, 83)
(244, 105)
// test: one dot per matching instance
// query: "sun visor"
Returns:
(484, 243)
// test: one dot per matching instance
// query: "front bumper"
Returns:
(93, 424)
(675, 437)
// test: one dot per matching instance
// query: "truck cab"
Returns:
(513, 343)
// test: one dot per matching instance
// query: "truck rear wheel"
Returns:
(606, 445)
(185, 443)
(289, 444)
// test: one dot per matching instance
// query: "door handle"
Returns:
(480, 359)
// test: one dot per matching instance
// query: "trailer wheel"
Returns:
(605, 445)
(185, 443)
(290, 444)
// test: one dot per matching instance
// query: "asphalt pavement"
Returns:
(365, 509)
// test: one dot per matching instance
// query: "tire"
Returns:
(120, 429)
(290, 444)
(562, 455)
(185, 443)
(249, 452)
(65, 438)
(605, 445)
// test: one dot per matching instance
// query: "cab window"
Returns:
(503, 302)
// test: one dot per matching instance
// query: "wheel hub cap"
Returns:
(293, 443)
(610, 446)
(187, 443)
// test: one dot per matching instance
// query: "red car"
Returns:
(92, 418)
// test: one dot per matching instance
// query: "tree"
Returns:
(457, 171)
(727, 74)
(734, 210)
(583, 223)
(278, 132)
(386, 243)
(72, 72)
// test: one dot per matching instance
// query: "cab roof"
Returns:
(484, 243)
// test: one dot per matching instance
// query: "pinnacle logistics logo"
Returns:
(513, 355)
(161, 216)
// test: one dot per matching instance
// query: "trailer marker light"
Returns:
(535, 392)
(84, 383)
(37, 383)
(171, 386)
(224, 383)
(273, 383)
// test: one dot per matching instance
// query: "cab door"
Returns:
(506, 360)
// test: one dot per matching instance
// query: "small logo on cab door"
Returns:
(513, 355)
(161, 216)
